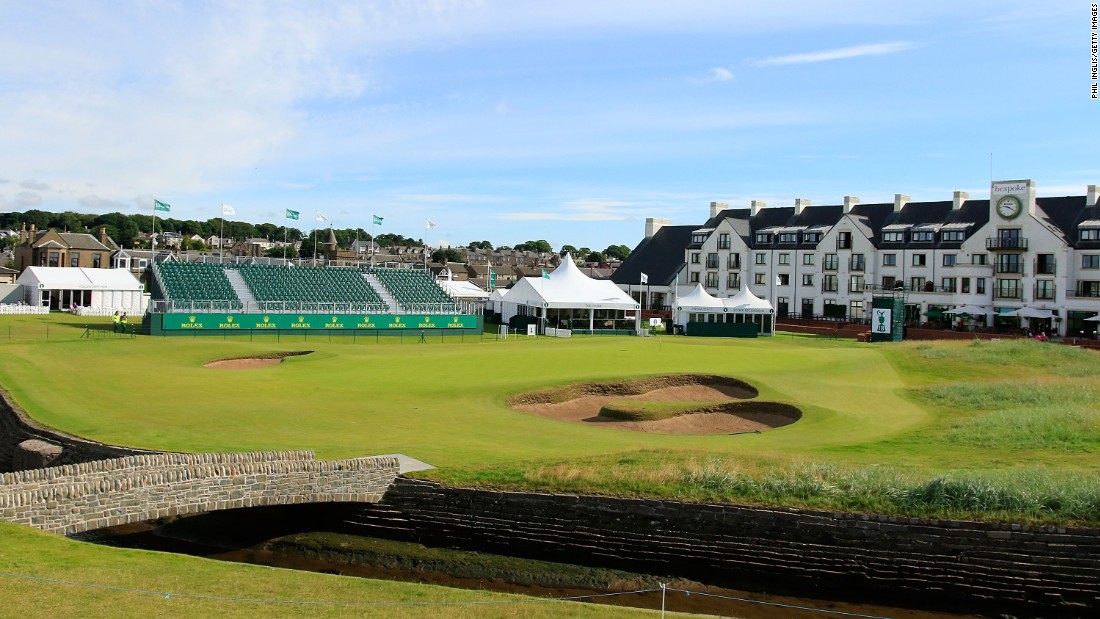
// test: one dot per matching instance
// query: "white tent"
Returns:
(65, 288)
(462, 289)
(700, 306)
(570, 299)
(1030, 312)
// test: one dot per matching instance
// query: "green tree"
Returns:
(618, 252)
(446, 255)
(568, 249)
(596, 257)
(539, 246)
(277, 252)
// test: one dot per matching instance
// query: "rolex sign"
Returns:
(880, 320)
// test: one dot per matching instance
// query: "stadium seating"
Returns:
(416, 291)
(302, 288)
(203, 285)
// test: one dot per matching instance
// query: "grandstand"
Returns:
(209, 295)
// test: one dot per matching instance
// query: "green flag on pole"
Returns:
(291, 214)
(545, 274)
(377, 220)
(161, 206)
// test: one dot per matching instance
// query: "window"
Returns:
(96, 260)
(808, 259)
(828, 283)
(712, 261)
(788, 237)
(1010, 263)
(693, 277)
(784, 259)
(979, 259)
(889, 260)
(811, 237)
(857, 310)
(893, 237)
(783, 279)
(953, 236)
(833, 309)
(889, 282)
(1044, 264)
(855, 283)
(922, 236)
(949, 260)
(761, 278)
(965, 285)
(723, 241)
(1044, 289)
(1090, 234)
(764, 238)
(734, 261)
(74, 259)
(733, 281)
(712, 279)
(55, 259)
(856, 263)
(142, 263)
(1008, 289)
(947, 284)
(807, 279)
(979, 284)
(920, 260)
(844, 240)
(695, 257)
(761, 258)
(1090, 261)
(916, 284)
(831, 262)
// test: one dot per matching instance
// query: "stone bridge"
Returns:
(75, 498)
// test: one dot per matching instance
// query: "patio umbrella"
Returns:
(1093, 319)
(1030, 312)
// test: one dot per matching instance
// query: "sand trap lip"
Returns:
(253, 361)
(581, 403)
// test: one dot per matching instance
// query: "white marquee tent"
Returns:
(65, 288)
(569, 299)
(700, 306)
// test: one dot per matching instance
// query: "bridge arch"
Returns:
(82, 497)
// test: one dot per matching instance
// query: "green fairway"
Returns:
(896, 417)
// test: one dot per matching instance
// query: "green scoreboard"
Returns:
(887, 318)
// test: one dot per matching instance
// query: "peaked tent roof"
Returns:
(567, 287)
(462, 289)
(745, 302)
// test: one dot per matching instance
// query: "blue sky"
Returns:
(512, 121)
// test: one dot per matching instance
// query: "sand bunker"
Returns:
(255, 361)
(718, 411)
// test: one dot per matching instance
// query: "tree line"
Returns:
(126, 230)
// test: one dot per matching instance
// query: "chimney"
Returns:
(849, 202)
(755, 206)
(717, 207)
(900, 200)
(103, 235)
(958, 198)
(653, 224)
(1093, 195)
(800, 204)
(23, 234)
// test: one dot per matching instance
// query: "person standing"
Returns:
(116, 321)
(124, 320)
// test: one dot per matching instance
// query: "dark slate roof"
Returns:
(769, 217)
(874, 216)
(660, 257)
(1065, 214)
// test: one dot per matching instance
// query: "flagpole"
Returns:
(221, 238)
(153, 237)
(284, 236)
(426, 246)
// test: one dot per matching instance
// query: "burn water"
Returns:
(245, 536)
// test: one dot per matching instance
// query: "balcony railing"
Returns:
(1017, 268)
(997, 243)
(1045, 294)
(1007, 293)
(1085, 292)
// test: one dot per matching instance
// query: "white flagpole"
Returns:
(221, 239)
(284, 236)
(426, 246)
(153, 238)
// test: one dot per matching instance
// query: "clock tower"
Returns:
(1010, 199)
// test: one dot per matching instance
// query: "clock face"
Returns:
(1009, 207)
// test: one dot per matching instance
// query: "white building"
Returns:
(1012, 251)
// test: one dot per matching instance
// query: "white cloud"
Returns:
(27, 198)
(35, 185)
(103, 205)
(842, 53)
(719, 74)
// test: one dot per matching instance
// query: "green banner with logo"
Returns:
(316, 322)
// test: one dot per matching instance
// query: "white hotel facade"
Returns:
(1011, 251)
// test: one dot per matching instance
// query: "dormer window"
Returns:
(1090, 234)
(788, 237)
(922, 236)
(763, 237)
(953, 235)
(893, 237)
(811, 237)
(698, 239)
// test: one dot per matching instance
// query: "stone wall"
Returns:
(80, 497)
(16, 454)
(948, 565)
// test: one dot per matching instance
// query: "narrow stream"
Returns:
(270, 537)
